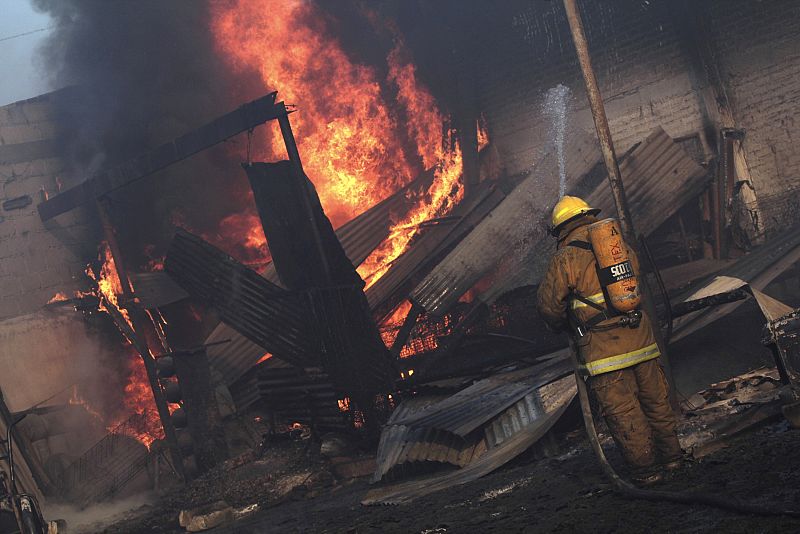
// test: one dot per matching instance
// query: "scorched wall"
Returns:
(647, 78)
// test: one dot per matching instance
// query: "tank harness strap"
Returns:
(603, 314)
(593, 321)
(585, 245)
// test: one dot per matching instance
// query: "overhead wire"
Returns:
(9, 37)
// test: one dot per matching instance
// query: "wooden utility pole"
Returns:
(614, 175)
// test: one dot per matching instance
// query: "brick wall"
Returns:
(36, 261)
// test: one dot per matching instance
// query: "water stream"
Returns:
(554, 107)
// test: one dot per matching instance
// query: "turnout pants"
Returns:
(635, 404)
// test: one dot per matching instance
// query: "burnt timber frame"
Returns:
(244, 118)
(95, 190)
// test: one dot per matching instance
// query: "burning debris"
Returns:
(361, 299)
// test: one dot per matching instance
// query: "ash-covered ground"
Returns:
(297, 492)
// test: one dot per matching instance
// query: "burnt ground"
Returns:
(563, 493)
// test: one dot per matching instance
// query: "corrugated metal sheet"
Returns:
(515, 225)
(387, 292)
(325, 327)
(266, 314)
(512, 435)
(245, 390)
(156, 289)
(465, 411)
(303, 395)
(233, 359)
(521, 414)
(394, 435)
(305, 250)
(659, 176)
(758, 269)
(441, 428)
(360, 236)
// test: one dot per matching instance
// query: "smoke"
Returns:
(100, 516)
(554, 107)
(144, 73)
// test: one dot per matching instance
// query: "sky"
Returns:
(20, 75)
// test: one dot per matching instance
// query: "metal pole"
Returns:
(614, 175)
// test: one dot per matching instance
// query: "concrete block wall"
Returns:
(758, 46)
(646, 79)
(36, 261)
(641, 68)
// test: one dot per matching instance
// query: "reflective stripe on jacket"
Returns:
(621, 361)
(572, 270)
(597, 298)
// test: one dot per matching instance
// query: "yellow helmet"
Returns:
(569, 208)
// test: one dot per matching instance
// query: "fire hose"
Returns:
(682, 497)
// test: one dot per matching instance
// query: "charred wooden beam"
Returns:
(405, 330)
(142, 335)
(684, 308)
(244, 118)
(199, 401)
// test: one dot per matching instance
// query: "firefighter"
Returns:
(618, 352)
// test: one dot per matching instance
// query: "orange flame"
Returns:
(347, 132)
(391, 325)
(343, 126)
(445, 193)
(483, 133)
(58, 297)
(139, 399)
(137, 395)
(77, 400)
(109, 285)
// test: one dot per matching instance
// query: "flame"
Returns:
(425, 125)
(344, 127)
(137, 394)
(109, 286)
(483, 133)
(138, 399)
(391, 325)
(264, 358)
(445, 193)
(58, 297)
(349, 137)
(76, 399)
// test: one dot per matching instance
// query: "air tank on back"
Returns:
(615, 269)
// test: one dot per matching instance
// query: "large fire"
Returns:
(361, 136)
(350, 138)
